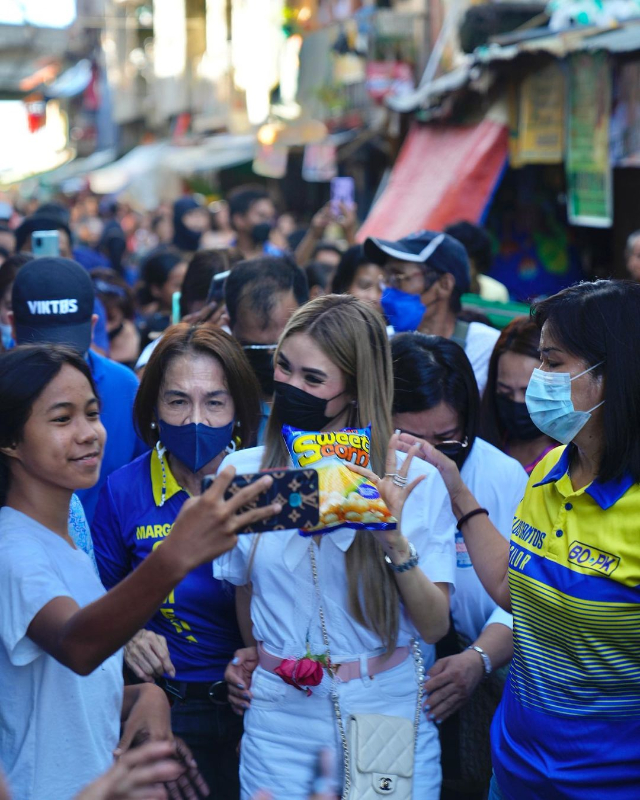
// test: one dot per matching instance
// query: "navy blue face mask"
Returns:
(195, 444)
(403, 310)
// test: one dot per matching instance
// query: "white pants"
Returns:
(284, 731)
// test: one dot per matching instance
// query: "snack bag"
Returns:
(347, 500)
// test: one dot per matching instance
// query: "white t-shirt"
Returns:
(57, 729)
(481, 340)
(284, 607)
(497, 481)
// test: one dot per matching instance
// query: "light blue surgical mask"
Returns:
(403, 310)
(550, 406)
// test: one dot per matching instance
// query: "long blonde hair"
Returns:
(352, 334)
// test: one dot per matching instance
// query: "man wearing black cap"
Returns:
(53, 301)
(427, 274)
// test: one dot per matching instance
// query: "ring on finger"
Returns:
(400, 481)
(390, 474)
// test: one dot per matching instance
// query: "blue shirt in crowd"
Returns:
(117, 386)
(198, 618)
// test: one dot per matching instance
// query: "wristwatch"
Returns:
(486, 661)
(410, 563)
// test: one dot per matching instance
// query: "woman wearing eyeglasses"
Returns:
(436, 399)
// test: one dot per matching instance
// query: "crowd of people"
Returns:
(487, 645)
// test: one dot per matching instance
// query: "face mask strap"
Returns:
(584, 372)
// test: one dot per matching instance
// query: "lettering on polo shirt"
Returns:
(153, 531)
(69, 306)
(584, 555)
(522, 530)
(518, 558)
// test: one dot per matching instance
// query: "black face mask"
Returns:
(261, 359)
(300, 409)
(260, 232)
(456, 451)
(515, 419)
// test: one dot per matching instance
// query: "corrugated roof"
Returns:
(623, 40)
(618, 38)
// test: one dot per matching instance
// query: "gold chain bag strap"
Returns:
(378, 750)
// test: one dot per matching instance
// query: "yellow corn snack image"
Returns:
(346, 498)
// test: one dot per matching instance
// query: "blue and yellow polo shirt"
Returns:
(568, 725)
(198, 618)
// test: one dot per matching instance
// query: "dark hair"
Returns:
(521, 336)
(25, 372)
(241, 200)
(113, 291)
(37, 222)
(158, 264)
(429, 370)
(10, 268)
(345, 274)
(476, 241)
(259, 281)
(182, 340)
(328, 247)
(318, 274)
(197, 280)
(597, 322)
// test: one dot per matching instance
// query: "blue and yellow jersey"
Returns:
(569, 722)
(198, 618)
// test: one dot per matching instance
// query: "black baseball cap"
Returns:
(52, 301)
(439, 250)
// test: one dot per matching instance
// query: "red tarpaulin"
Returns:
(443, 174)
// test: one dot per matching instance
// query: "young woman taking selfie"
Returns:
(60, 634)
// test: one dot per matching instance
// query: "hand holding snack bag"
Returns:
(346, 498)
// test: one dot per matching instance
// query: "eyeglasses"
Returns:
(401, 279)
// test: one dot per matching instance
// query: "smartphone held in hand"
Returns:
(295, 489)
(343, 193)
(45, 243)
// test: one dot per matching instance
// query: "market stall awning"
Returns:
(444, 174)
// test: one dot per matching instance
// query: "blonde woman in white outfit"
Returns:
(333, 370)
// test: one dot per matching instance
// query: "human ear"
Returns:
(11, 451)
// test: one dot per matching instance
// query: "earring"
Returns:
(153, 426)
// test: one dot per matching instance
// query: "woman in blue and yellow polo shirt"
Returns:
(198, 398)
(568, 727)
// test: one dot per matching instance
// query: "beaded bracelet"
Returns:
(468, 516)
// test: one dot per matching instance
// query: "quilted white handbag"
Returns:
(378, 750)
(382, 755)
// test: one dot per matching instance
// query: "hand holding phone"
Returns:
(296, 490)
(207, 525)
(343, 193)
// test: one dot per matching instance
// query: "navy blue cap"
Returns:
(53, 301)
(438, 250)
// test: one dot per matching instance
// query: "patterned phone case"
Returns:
(297, 491)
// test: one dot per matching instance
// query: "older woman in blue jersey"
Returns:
(568, 726)
(198, 400)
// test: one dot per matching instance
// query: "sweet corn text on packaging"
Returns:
(347, 500)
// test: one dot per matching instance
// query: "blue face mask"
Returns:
(403, 310)
(7, 336)
(550, 406)
(195, 444)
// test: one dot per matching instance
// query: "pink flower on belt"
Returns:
(303, 672)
